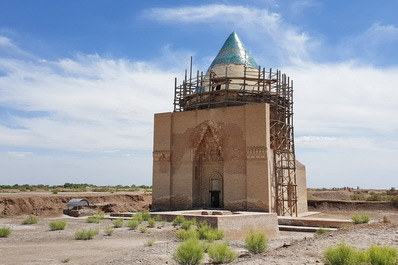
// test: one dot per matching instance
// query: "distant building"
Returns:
(230, 141)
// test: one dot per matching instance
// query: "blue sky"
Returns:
(80, 82)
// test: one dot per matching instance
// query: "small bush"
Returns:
(5, 231)
(221, 253)
(190, 252)
(158, 218)
(86, 234)
(256, 242)
(210, 234)
(188, 223)
(30, 220)
(151, 222)
(146, 216)
(133, 224)
(321, 231)
(65, 260)
(100, 215)
(360, 218)
(178, 220)
(118, 222)
(93, 219)
(342, 254)
(57, 225)
(109, 230)
(187, 234)
(149, 242)
(144, 230)
(383, 255)
(138, 217)
(358, 197)
(55, 192)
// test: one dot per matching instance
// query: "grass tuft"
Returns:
(221, 253)
(321, 231)
(143, 230)
(133, 224)
(188, 223)
(149, 242)
(57, 225)
(109, 230)
(256, 242)
(118, 223)
(187, 234)
(360, 218)
(178, 220)
(30, 220)
(5, 231)
(190, 252)
(383, 255)
(210, 234)
(93, 219)
(86, 234)
(151, 222)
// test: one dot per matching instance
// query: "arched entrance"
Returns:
(215, 190)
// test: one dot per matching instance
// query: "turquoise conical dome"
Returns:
(234, 51)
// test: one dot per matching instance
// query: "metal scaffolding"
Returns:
(255, 86)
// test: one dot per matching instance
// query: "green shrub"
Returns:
(188, 223)
(133, 224)
(187, 234)
(30, 220)
(151, 222)
(378, 197)
(210, 234)
(93, 219)
(190, 252)
(109, 230)
(358, 197)
(256, 242)
(383, 255)
(5, 231)
(57, 225)
(321, 231)
(178, 220)
(100, 215)
(145, 216)
(158, 218)
(149, 242)
(144, 230)
(55, 192)
(138, 217)
(118, 222)
(360, 218)
(86, 234)
(342, 254)
(221, 253)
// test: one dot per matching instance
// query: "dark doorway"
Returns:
(215, 199)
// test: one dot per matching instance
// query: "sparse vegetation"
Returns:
(149, 242)
(109, 230)
(65, 260)
(210, 234)
(143, 230)
(190, 252)
(133, 224)
(118, 223)
(5, 231)
(158, 218)
(344, 254)
(321, 231)
(93, 219)
(178, 220)
(221, 253)
(360, 218)
(57, 225)
(151, 222)
(145, 216)
(86, 234)
(55, 192)
(256, 242)
(187, 234)
(138, 217)
(30, 220)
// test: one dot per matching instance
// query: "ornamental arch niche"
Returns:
(208, 164)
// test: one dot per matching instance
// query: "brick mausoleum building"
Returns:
(229, 143)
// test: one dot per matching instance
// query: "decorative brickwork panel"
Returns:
(161, 156)
(256, 152)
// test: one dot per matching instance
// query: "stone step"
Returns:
(313, 222)
(303, 228)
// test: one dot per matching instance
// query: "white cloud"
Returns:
(19, 154)
(89, 103)
(6, 42)
(264, 25)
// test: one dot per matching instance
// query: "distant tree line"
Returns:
(68, 186)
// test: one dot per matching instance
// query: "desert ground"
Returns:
(36, 244)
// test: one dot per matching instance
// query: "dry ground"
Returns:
(36, 244)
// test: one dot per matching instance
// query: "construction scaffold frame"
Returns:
(255, 86)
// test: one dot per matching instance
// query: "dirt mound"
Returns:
(327, 205)
(53, 204)
(330, 195)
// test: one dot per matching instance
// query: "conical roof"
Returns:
(234, 51)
